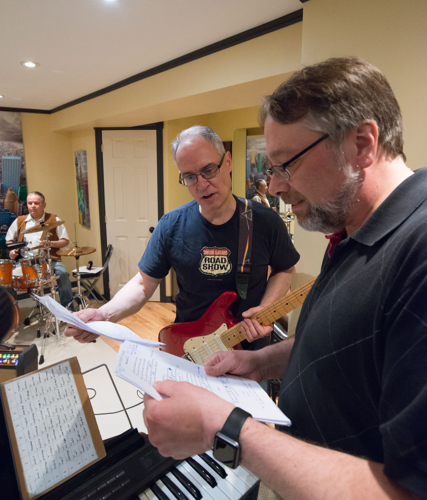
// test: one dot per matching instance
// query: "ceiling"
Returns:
(84, 46)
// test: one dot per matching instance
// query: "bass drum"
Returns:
(10, 314)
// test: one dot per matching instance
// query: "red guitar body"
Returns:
(175, 335)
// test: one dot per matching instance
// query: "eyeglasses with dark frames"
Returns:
(208, 172)
(281, 171)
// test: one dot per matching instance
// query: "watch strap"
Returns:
(234, 423)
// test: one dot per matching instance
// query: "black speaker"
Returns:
(17, 361)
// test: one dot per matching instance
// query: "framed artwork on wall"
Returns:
(80, 162)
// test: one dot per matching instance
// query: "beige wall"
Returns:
(389, 33)
(223, 91)
(50, 169)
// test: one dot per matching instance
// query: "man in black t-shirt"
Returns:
(200, 241)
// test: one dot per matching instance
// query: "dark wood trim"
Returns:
(263, 29)
(158, 127)
(23, 110)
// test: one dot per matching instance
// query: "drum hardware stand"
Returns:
(50, 316)
(76, 252)
(79, 298)
(45, 316)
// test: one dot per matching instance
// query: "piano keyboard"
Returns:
(134, 469)
(214, 481)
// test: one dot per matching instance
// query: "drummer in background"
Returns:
(58, 238)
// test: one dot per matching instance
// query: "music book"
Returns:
(52, 429)
(142, 366)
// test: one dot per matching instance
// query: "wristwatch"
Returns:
(226, 446)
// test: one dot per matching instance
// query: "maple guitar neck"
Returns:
(269, 315)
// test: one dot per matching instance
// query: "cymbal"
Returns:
(44, 226)
(75, 251)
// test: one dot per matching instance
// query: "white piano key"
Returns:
(232, 478)
(208, 493)
(149, 495)
(247, 476)
(224, 484)
(143, 496)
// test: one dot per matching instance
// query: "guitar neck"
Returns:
(269, 315)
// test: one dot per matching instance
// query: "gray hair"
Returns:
(196, 130)
(40, 195)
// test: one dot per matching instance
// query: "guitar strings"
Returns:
(208, 347)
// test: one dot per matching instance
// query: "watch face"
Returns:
(226, 450)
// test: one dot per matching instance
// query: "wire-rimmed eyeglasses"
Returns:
(282, 171)
(208, 172)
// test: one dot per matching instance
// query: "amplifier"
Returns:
(17, 360)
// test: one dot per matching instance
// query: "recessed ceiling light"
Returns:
(1, 96)
(30, 64)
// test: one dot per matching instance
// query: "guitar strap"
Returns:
(245, 246)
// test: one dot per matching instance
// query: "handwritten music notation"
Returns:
(50, 426)
(142, 366)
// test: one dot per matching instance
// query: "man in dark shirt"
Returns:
(200, 241)
(354, 378)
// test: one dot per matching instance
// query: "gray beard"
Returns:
(332, 216)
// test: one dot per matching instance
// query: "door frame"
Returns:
(158, 127)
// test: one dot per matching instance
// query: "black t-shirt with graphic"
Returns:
(204, 257)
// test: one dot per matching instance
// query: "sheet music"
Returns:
(142, 366)
(105, 328)
(52, 433)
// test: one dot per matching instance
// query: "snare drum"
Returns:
(20, 285)
(6, 268)
(29, 271)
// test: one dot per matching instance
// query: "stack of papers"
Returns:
(105, 328)
(142, 366)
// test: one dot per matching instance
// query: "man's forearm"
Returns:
(129, 300)
(297, 470)
(274, 359)
(278, 285)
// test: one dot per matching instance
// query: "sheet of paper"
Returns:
(51, 429)
(142, 366)
(105, 328)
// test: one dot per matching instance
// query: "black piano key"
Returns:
(214, 464)
(187, 484)
(207, 476)
(174, 489)
(158, 492)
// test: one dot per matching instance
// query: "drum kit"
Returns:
(35, 274)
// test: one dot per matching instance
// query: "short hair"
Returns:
(335, 96)
(259, 182)
(196, 130)
(38, 194)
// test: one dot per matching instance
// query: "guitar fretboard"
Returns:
(269, 315)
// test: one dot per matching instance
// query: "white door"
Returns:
(130, 183)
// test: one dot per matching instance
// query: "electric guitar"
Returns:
(218, 330)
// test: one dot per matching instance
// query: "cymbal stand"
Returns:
(79, 297)
(50, 316)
